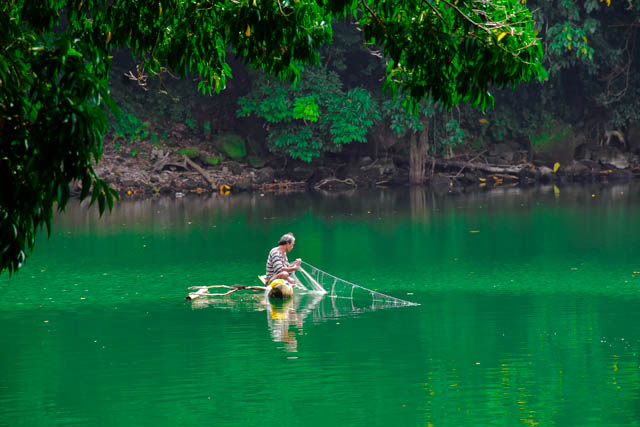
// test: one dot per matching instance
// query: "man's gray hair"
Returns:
(286, 238)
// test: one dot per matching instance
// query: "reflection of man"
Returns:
(280, 315)
(286, 318)
(278, 266)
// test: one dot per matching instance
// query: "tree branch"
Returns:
(465, 16)
(375, 16)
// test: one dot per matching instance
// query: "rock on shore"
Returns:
(166, 172)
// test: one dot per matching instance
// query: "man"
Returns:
(278, 266)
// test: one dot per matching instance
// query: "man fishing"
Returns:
(278, 266)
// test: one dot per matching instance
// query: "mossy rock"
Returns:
(213, 161)
(190, 152)
(553, 142)
(232, 145)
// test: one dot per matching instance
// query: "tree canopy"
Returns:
(317, 115)
(55, 58)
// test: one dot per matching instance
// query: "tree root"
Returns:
(335, 182)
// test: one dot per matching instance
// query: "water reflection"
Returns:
(420, 210)
(531, 320)
(286, 318)
(423, 202)
(420, 203)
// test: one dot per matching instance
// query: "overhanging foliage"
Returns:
(55, 59)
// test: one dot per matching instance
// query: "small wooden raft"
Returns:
(203, 291)
(280, 291)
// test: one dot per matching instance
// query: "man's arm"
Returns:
(291, 267)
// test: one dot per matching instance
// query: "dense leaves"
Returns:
(454, 51)
(52, 120)
(594, 80)
(316, 115)
(54, 83)
(592, 43)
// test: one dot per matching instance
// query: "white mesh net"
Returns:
(315, 280)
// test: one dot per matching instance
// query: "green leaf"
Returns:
(96, 192)
(305, 108)
(109, 198)
(86, 186)
(73, 52)
(101, 202)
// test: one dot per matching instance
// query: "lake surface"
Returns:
(529, 313)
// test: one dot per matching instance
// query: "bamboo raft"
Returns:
(203, 291)
(312, 281)
(280, 290)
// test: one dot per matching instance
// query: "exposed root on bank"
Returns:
(335, 183)
(201, 171)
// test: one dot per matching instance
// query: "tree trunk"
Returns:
(418, 147)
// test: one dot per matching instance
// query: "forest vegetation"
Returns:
(243, 84)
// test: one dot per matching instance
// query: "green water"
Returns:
(529, 313)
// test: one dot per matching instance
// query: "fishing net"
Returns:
(358, 297)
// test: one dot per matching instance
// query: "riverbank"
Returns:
(165, 171)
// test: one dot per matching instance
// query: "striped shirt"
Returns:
(276, 262)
